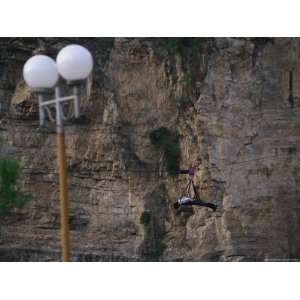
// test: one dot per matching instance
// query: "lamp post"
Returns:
(74, 63)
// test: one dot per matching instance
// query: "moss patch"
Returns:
(153, 220)
(11, 195)
(167, 141)
(145, 218)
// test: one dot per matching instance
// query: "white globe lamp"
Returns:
(40, 72)
(74, 63)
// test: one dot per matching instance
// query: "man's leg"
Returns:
(206, 204)
(188, 202)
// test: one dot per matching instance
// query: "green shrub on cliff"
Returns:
(145, 218)
(11, 195)
(167, 141)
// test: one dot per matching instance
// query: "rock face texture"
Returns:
(233, 104)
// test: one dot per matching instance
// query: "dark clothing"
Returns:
(190, 201)
(189, 171)
(201, 203)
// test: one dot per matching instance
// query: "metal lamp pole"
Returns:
(63, 191)
(44, 106)
(74, 63)
(64, 199)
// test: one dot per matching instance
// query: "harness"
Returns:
(189, 189)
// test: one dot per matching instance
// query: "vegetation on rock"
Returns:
(167, 141)
(153, 220)
(11, 195)
(145, 218)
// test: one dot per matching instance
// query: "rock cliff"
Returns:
(231, 109)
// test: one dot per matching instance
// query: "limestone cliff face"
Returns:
(234, 104)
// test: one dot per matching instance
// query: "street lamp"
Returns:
(74, 63)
